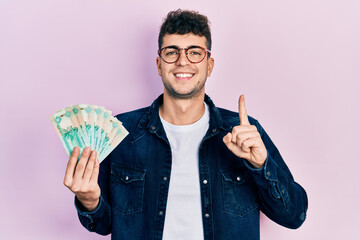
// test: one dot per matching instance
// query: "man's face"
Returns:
(183, 79)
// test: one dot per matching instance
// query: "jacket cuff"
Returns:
(268, 178)
(258, 170)
(86, 217)
(267, 172)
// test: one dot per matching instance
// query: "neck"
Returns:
(182, 111)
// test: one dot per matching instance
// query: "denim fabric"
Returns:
(134, 181)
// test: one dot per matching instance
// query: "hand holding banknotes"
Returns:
(82, 177)
(89, 131)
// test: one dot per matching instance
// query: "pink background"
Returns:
(297, 62)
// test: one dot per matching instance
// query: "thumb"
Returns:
(227, 140)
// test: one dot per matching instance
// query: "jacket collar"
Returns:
(151, 119)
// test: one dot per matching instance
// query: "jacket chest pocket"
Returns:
(239, 192)
(127, 189)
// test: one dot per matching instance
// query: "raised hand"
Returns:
(82, 177)
(245, 141)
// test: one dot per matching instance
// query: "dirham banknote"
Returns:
(91, 126)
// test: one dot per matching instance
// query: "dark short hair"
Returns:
(184, 22)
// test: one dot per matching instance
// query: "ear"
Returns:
(158, 64)
(210, 66)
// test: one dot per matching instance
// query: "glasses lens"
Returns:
(196, 54)
(170, 54)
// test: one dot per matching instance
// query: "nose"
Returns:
(182, 61)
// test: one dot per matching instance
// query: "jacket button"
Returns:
(268, 173)
(161, 213)
(238, 179)
(153, 127)
(205, 181)
(165, 178)
(207, 215)
(214, 130)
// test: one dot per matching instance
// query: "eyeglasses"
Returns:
(194, 54)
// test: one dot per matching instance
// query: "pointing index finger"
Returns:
(244, 120)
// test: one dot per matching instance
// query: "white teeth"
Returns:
(183, 75)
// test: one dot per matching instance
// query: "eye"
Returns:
(171, 52)
(196, 52)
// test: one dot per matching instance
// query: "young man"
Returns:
(187, 169)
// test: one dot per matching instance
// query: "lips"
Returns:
(183, 76)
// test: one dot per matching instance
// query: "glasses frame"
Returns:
(207, 53)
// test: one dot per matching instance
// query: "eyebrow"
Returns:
(177, 47)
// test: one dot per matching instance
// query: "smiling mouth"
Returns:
(184, 76)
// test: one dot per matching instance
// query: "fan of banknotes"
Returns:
(91, 126)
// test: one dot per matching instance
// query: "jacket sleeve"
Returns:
(282, 199)
(99, 220)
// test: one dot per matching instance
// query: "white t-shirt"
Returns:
(183, 219)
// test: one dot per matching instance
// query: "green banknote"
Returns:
(85, 125)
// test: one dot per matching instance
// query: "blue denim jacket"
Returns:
(134, 181)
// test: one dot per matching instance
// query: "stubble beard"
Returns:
(194, 93)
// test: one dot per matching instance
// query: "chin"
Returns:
(184, 95)
(178, 93)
